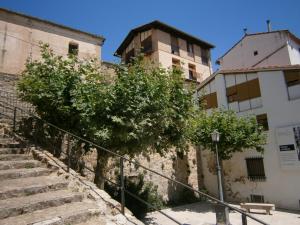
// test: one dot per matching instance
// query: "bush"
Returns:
(145, 190)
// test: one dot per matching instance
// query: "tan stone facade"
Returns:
(186, 168)
(20, 36)
(164, 45)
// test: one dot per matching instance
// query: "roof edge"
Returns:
(157, 24)
(248, 35)
(248, 70)
(100, 37)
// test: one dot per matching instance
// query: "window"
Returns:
(129, 55)
(175, 63)
(255, 169)
(174, 45)
(263, 121)
(292, 79)
(129, 52)
(73, 48)
(205, 56)
(255, 53)
(257, 198)
(192, 72)
(146, 41)
(244, 91)
(208, 95)
(190, 49)
(209, 101)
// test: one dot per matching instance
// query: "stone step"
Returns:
(23, 173)
(30, 186)
(5, 165)
(96, 221)
(67, 214)
(6, 139)
(12, 150)
(15, 157)
(18, 206)
(10, 145)
(5, 120)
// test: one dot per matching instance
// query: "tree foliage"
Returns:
(143, 108)
(236, 133)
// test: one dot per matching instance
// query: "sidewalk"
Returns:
(203, 214)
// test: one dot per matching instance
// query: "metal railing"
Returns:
(10, 110)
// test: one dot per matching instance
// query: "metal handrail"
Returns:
(122, 158)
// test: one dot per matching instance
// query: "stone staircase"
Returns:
(34, 193)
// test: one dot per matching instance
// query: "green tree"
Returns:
(236, 133)
(146, 109)
(142, 108)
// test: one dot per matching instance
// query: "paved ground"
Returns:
(203, 214)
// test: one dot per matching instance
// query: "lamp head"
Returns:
(215, 136)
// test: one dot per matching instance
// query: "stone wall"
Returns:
(185, 168)
(8, 82)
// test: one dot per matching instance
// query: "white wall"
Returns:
(267, 44)
(282, 185)
(294, 50)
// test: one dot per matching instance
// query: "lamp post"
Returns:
(222, 213)
(215, 136)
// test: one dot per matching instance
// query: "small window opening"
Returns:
(73, 48)
(257, 198)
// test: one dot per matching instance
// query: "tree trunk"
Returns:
(200, 175)
(101, 167)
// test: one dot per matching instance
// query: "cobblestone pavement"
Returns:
(203, 214)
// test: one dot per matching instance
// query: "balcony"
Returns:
(192, 75)
(175, 49)
(205, 60)
(191, 54)
(129, 55)
(147, 46)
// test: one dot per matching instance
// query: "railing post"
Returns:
(68, 151)
(122, 186)
(244, 219)
(14, 122)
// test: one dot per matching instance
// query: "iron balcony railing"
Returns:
(11, 110)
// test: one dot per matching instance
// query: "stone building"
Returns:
(168, 46)
(21, 34)
(260, 76)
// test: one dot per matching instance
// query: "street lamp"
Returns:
(222, 213)
(215, 136)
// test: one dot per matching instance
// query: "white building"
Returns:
(271, 91)
(275, 48)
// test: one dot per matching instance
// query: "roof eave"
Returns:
(158, 25)
(99, 37)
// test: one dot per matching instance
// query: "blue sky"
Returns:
(218, 22)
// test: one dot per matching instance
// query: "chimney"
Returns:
(245, 31)
(269, 25)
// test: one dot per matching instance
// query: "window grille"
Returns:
(255, 169)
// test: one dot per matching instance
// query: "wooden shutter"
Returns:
(210, 101)
(292, 77)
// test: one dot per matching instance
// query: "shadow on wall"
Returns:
(177, 194)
